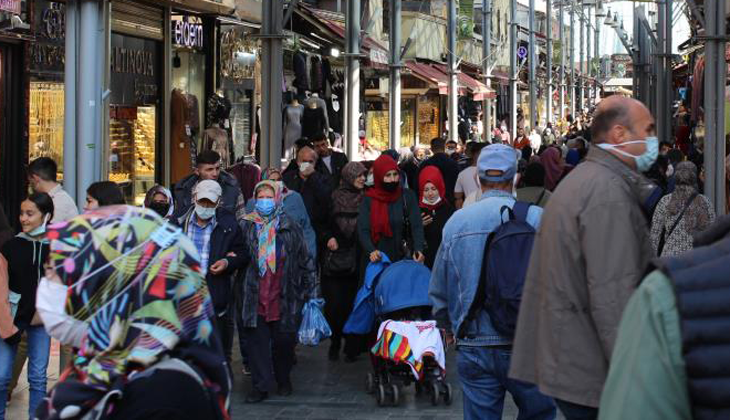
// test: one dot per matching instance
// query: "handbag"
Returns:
(666, 234)
(341, 261)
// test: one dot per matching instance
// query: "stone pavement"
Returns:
(322, 390)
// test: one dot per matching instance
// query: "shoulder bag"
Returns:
(667, 233)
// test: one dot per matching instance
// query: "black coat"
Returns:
(226, 238)
(434, 232)
(339, 160)
(317, 196)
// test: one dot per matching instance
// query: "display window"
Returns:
(134, 115)
(45, 122)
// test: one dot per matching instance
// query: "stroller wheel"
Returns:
(435, 393)
(448, 395)
(396, 394)
(370, 383)
(380, 395)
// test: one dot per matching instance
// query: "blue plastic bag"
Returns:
(314, 327)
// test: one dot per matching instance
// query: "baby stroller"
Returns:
(409, 347)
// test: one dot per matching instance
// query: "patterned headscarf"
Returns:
(159, 189)
(266, 228)
(698, 215)
(136, 282)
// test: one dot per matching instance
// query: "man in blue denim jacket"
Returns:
(483, 354)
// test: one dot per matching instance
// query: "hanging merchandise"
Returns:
(465, 19)
(301, 80)
(292, 126)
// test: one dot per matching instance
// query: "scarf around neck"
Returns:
(380, 199)
(266, 228)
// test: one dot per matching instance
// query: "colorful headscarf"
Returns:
(136, 281)
(266, 228)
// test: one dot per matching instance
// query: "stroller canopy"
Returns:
(402, 285)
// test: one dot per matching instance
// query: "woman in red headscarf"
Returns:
(435, 210)
(389, 221)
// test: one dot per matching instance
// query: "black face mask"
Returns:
(160, 208)
(390, 186)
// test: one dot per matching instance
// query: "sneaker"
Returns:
(246, 370)
(256, 396)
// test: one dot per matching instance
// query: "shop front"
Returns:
(46, 86)
(239, 52)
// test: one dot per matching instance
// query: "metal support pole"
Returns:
(453, 113)
(69, 117)
(561, 35)
(572, 60)
(668, 79)
(486, 67)
(598, 55)
(549, 64)
(87, 97)
(272, 68)
(715, 74)
(394, 91)
(659, 60)
(352, 82)
(513, 69)
(533, 58)
(587, 84)
(581, 63)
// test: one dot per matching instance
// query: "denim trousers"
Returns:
(483, 375)
(39, 349)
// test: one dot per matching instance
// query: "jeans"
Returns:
(483, 375)
(39, 349)
(573, 411)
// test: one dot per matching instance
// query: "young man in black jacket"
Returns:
(330, 162)
(218, 238)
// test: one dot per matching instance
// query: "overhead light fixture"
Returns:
(608, 18)
(335, 52)
(600, 12)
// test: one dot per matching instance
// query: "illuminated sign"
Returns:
(187, 34)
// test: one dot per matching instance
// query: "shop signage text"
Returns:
(12, 6)
(47, 50)
(131, 61)
(186, 34)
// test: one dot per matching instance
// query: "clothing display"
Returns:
(292, 127)
(216, 139)
(408, 342)
(317, 76)
(314, 122)
(321, 104)
(181, 149)
(219, 110)
(301, 81)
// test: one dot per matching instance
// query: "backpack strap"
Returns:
(521, 209)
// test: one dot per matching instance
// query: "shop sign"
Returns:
(47, 52)
(187, 34)
(238, 54)
(134, 70)
(11, 6)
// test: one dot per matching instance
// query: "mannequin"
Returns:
(292, 126)
(314, 120)
(181, 150)
(216, 137)
(322, 105)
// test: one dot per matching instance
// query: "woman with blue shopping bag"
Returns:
(279, 279)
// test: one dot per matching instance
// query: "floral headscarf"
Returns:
(136, 282)
(266, 228)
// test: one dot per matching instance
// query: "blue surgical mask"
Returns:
(204, 213)
(41, 229)
(643, 161)
(265, 206)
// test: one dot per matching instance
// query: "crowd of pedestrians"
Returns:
(538, 246)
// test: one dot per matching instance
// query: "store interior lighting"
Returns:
(335, 52)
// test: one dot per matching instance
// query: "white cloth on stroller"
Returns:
(423, 338)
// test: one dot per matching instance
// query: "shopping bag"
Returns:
(314, 327)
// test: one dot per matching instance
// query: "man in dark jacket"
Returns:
(313, 186)
(448, 167)
(209, 167)
(218, 238)
(330, 162)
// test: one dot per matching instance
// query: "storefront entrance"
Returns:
(13, 141)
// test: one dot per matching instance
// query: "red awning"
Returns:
(479, 90)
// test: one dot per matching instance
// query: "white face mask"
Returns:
(433, 202)
(304, 166)
(204, 213)
(370, 180)
(50, 302)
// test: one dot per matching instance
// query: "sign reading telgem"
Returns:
(186, 34)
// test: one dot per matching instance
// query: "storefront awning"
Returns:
(437, 75)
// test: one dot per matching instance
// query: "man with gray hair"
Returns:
(591, 252)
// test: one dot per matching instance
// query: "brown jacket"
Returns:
(590, 253)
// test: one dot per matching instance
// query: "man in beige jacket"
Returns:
(590, 253)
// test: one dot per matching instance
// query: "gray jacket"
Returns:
(591, 251)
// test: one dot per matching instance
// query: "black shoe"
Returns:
(285, 390)
(334, 354)
(256, 396)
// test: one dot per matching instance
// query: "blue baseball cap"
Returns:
(497, 158)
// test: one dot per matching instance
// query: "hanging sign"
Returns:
(11, 6)
(187, 34)
(521, 52)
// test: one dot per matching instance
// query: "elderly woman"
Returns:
(280, 278)
(680, 214)
(125, 289)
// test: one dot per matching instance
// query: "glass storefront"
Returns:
(134, 132)
(45, 122)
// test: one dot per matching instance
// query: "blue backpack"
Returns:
(504, 268)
